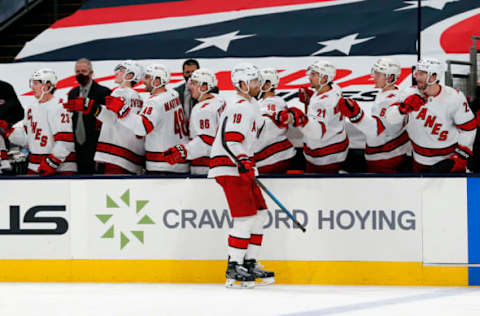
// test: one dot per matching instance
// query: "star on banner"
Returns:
(220, 41)
(435, 4)
(343, 44)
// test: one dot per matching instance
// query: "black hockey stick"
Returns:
(260, 184)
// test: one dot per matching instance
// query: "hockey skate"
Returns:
(262, 277)
(238, 277)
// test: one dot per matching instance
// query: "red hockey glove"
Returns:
(245, 169)
(412, 104)
(83, 105)
(304, 95)
(281, 118)
(49, 166)
(5, 130)
(299, 118)
(117, 105)
(350, 109)
(460, 159)
(176, 154)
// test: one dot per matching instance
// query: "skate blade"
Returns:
(265, 281)
(232, 284)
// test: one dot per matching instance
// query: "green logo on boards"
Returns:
(132, 214)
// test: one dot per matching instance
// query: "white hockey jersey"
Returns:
(273, 145)
(47, 129)
(444, 122)
(244, 125)
(382, 142)
(325, 139)
(118, 144)
(204, 123)
(162, 122)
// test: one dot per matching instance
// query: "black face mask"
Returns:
(82, 79)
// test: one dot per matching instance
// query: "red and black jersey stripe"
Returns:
(468, 126)
(327, 150)
(38, 158)
(234, 137)
(147, 124)
(221, 161)
(272, 149)
(389, 146)
(200, 162)
(433, 152)
(120, 152)
(207, 139)
(63, 136)
(237, 242)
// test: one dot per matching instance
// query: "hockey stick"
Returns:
(260, 184)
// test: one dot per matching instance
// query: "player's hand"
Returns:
(281, 119)
(117, 105)
(411, 104)
(304, 95)
(49, 166)
(299, 119)
(80, 104)
(5, 130)
(245, 169)
(350, 109)
(175, 154)
(460, 159)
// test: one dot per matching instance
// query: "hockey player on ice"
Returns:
(46, 129)
(386, 149)
(204, 123)
(161, 121)
(440, 124)
(119, 150)
(274, 151)
(247, 206)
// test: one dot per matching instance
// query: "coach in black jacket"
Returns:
(85, 127)
(10, 108)
(188, 67)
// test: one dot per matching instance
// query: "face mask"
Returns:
(82, 79)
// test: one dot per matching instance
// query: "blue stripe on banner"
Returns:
(473, 206)
(474, 276)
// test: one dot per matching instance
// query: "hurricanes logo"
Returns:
(127, 217)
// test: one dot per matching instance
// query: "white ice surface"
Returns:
(212, 299)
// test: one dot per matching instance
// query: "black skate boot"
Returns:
(238, 277)
(255, 268)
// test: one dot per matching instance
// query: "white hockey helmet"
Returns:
(270, 74)
(245, 72)
(204, 75)
(44, 75)
(388, 67)
(323, 68)
(132, 67)
(158, 71)
(430, 66)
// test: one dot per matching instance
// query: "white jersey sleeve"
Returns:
(144, 122)
(19, 134)
(465, 122)
(60, 122)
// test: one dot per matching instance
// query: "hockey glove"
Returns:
(281, 118)
(175, 154)
(299, 118)
(83, 105)
(460, 159)
(350, 109)
(117, 105)
(411, 104)
(5, 130)
(304, 95)
(245, 168)
(49, 166)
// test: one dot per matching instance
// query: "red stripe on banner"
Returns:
(64, 137)
(234, 137)
(120, 152)
(468, 126)
(256, 239)
(273, 149)
(221, 161)
(155, 156)
(3, 155)
(431, 152)
(147, 124)
(200, 162)
(389, 146)
(327, 150)
(235, 242)
(167, 9)
(207, 139)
